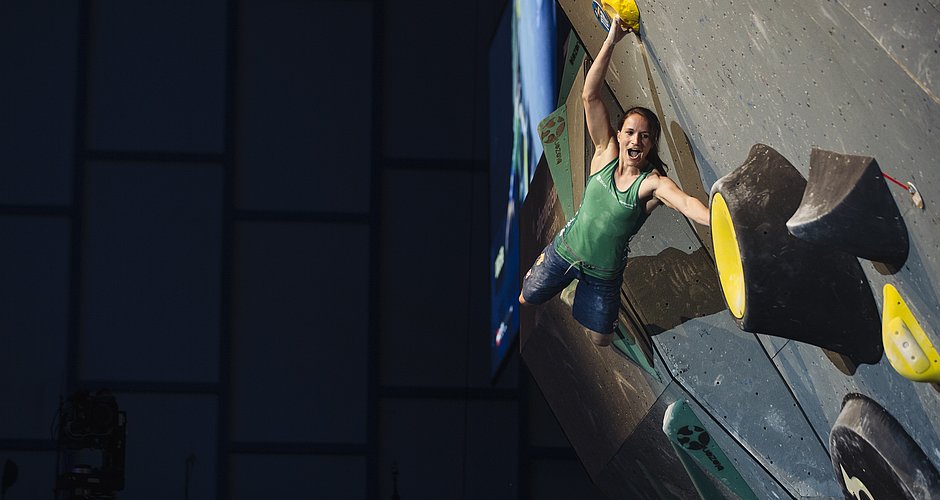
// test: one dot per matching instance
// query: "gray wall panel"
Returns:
(820, 388)
(432, 317)
(299, 355)
(907, 31)
(157, 76)
(727, 371)
(37, 44)
(478, 289)
(492, 425)
(163, 433)
(412, 430)
(755, 474)
(542, 428)
(34, 294)
(273, 476)
(417, 73)
(152, 272)
(554, 479)
(772, 344)
(305, 107)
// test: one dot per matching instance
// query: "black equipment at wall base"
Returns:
(794, 289)
(847, 206)
(872, 453)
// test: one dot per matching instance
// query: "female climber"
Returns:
(622, 190)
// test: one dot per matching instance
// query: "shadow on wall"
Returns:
(671, 288)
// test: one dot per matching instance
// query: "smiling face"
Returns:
(636, 141)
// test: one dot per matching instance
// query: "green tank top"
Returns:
(598, 234)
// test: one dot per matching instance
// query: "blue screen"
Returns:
(522, 89)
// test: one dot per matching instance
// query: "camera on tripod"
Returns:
(91, 420)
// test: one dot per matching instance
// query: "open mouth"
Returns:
(633, 153)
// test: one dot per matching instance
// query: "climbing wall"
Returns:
(845, 76)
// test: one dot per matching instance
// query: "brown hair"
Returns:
(655, 132)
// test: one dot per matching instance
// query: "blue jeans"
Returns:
(596, 302)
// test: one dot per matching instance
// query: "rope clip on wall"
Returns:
(916, 198)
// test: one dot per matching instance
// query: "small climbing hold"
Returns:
(907, 346)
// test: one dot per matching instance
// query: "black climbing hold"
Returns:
(779, 285)
(873, 455)
(847, 206)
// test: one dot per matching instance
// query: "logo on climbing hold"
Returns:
(602, 17)
(854, 485)
(696, 438)
(552, 129)
(693, 438)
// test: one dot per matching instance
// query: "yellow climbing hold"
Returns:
(626, 9)
(727, 256)
(906, 344)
